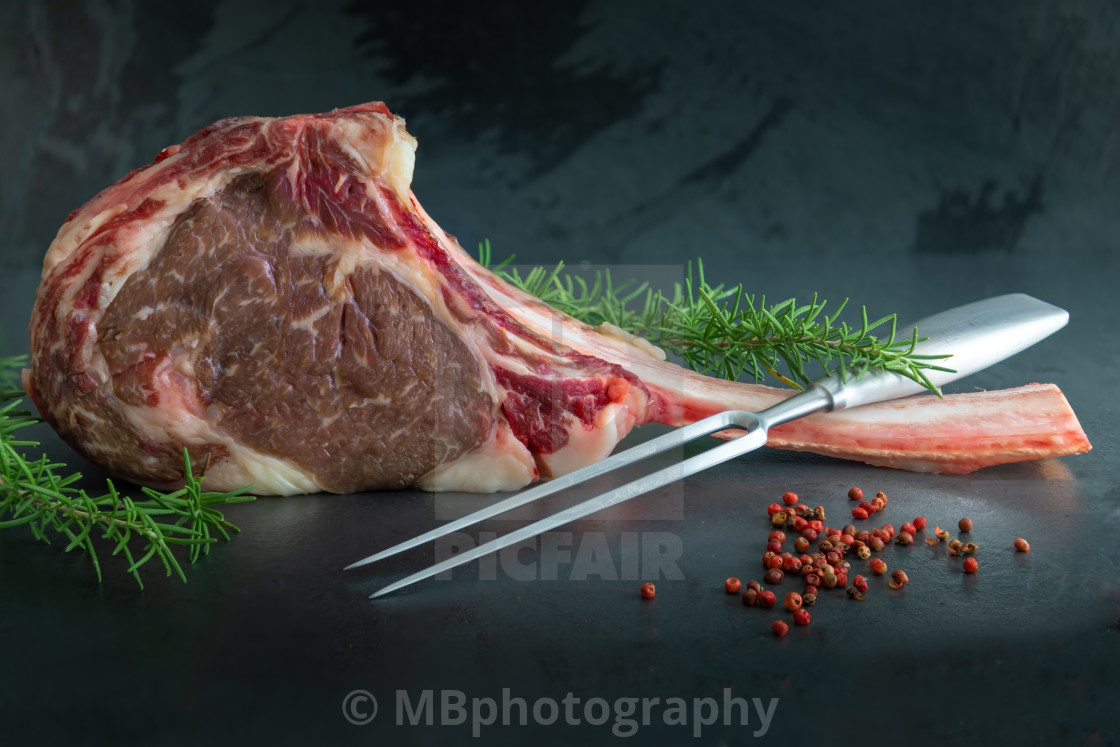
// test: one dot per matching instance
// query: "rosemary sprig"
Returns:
(43, 496)
(726, 332)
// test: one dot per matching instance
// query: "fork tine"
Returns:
(653, 447)
(752, 440)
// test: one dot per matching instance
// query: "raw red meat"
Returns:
(271, 295)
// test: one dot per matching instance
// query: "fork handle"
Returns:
(976, 335)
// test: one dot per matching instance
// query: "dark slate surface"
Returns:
(909, 157)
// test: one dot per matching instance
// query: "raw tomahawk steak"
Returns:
(270, 295)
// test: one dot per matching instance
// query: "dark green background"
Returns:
(908, 156)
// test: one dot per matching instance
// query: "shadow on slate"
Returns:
(963, 223)
(475, 64)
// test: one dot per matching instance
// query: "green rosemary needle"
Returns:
(726, 332)
(43, 496)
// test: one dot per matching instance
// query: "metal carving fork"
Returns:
(976, 336)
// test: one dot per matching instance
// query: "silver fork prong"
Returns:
(653, 447)
(752, 440)
(980, 334)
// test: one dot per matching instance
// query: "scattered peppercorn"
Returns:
(648, 590)
(773, 576)
(732, 585)
(828, 566)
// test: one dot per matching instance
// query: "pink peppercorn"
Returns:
(773, 576)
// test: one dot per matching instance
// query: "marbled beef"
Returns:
(270, 295)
